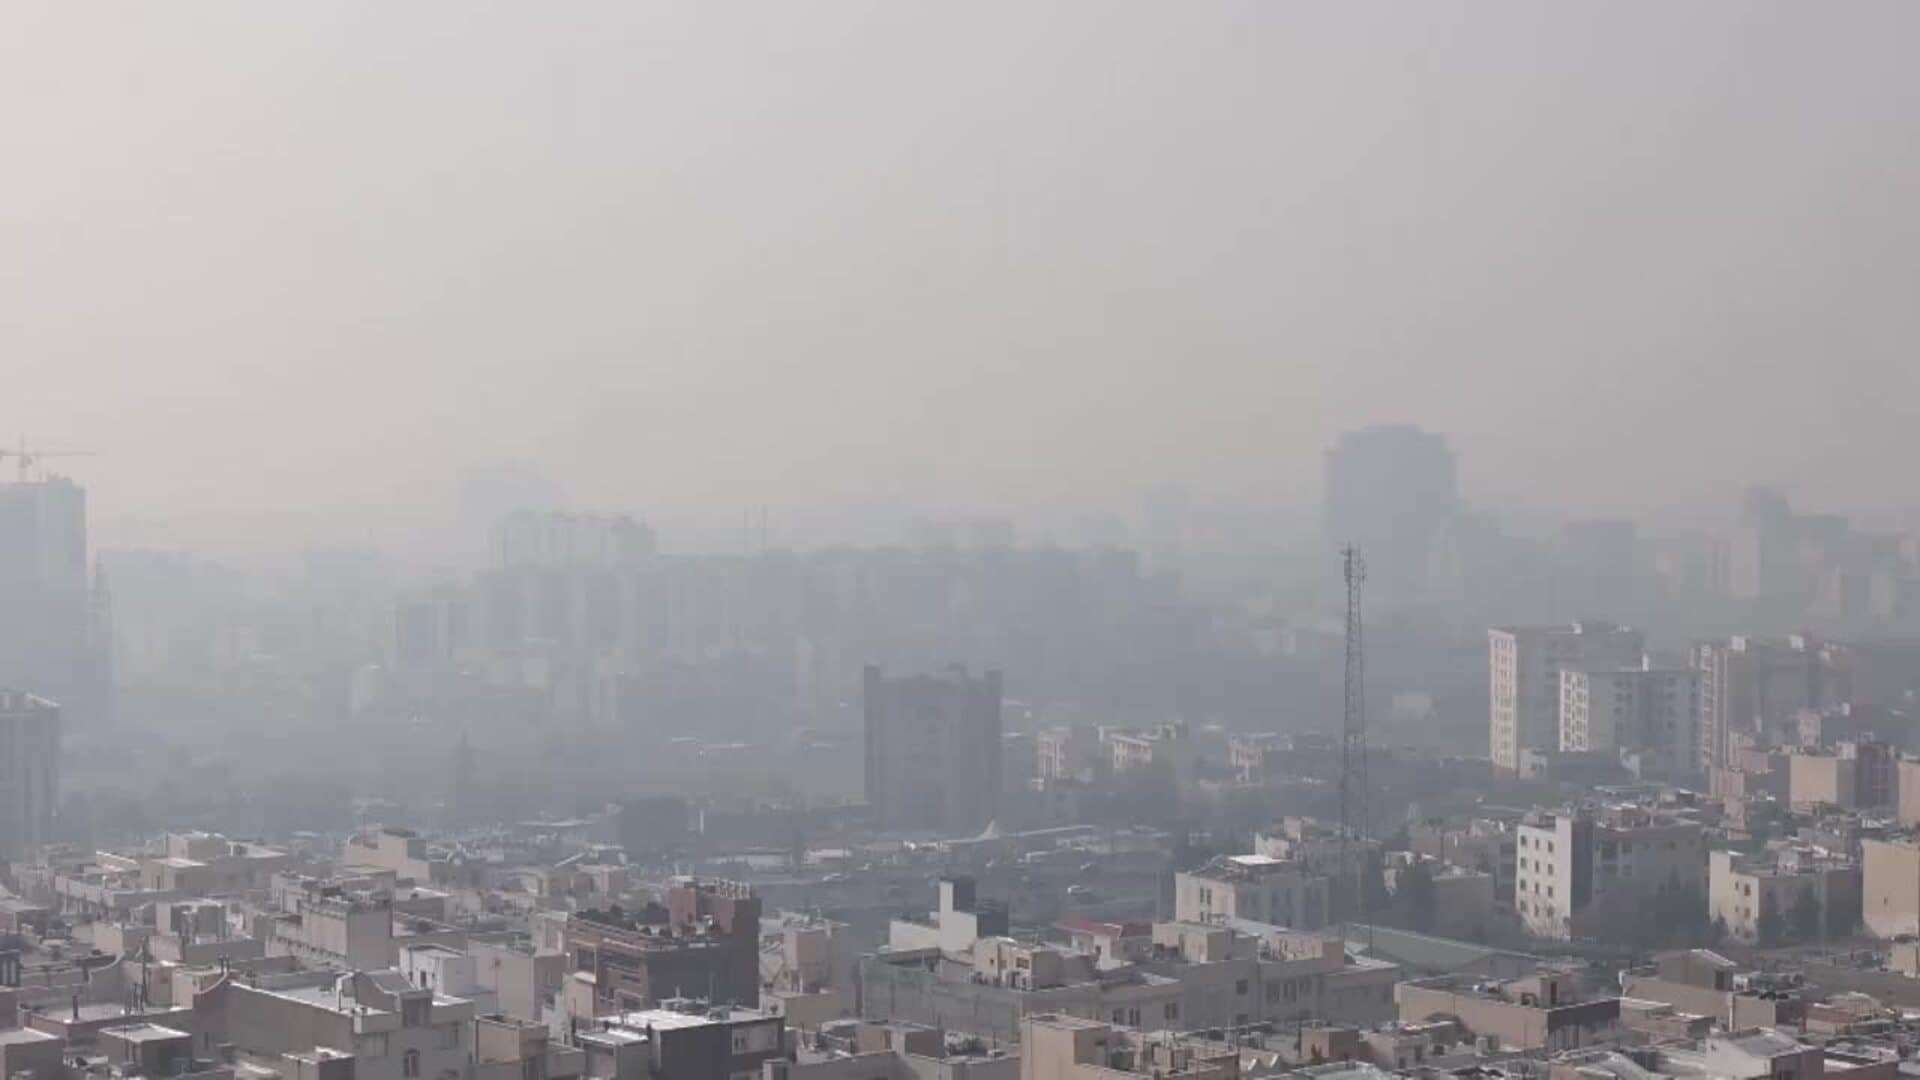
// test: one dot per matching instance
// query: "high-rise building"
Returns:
(1640, 708)
(50, 640)
(1754, 687)
(1390, 490)
(933, 749)
(1524, 665)
(557, 538)
(29, 771)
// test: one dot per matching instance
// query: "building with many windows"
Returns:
(1579, 864)
(1524, 665)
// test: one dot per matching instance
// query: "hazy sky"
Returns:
(289, 263)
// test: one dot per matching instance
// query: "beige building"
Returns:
(1702, 982)
(1752, 895)
(1906, 784)
(1890, 887)
(1258, 888)
(392, 1029)
(1054, 1047)
(208, 864)
(1567, 863)
(1524, 665)
(326, 926)
(1540, 1012)
(1851, 776)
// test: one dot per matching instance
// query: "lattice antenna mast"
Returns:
(1353, 742)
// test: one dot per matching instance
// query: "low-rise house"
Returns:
(1541, 1012)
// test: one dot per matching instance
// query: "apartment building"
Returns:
(1524, 666)
(1057, 1047)
(1546, 1011)
(708, 940)
(933, 755)
(1568, 862)
(1754, 686)
(1851, 776)
(1756, 896)
(1258, 888)
(1890, 886)
(392, 1029)
(1642, 708)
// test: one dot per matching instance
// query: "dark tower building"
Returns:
(1389, 492)
(933, 749)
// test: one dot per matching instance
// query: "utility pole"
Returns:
(1353, 741)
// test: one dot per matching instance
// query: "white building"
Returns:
(1257, 888)
(1570, 862)
(1524, 665)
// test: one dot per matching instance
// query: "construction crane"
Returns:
(1353, 741)
(26, 459)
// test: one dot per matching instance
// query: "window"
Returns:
(1172, 1011)
(1240, 988)
(410, 1063)
(449, 1036)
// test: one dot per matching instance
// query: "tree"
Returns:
(1804, 919)
(1419, 900)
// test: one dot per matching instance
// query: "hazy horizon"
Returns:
(300, 266)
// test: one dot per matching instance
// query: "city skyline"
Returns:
(1058, 259)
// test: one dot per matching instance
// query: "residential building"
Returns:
(1757, 898)
(509, 1049)
(1890, 886)
(1851, 776)
(1068, 752)
(1166, 751)
(1481, 844)
(1705, 983)
(962, 919)
(1754, 686)
(327, 924)
(1258, 888)
(707, 939)
(933, 757)
(1194, 976)
(1056, 1047)
(1641, 708)
(1540, 1012)
(864, 1050)
(29, 771)
(683, 1039)
(1581, 863)
(392, 1029)
(1524, 666)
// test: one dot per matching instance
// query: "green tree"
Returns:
(1804, 920)
(1418, 898)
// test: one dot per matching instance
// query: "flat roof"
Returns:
(22, 1036)
(145, 1032)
